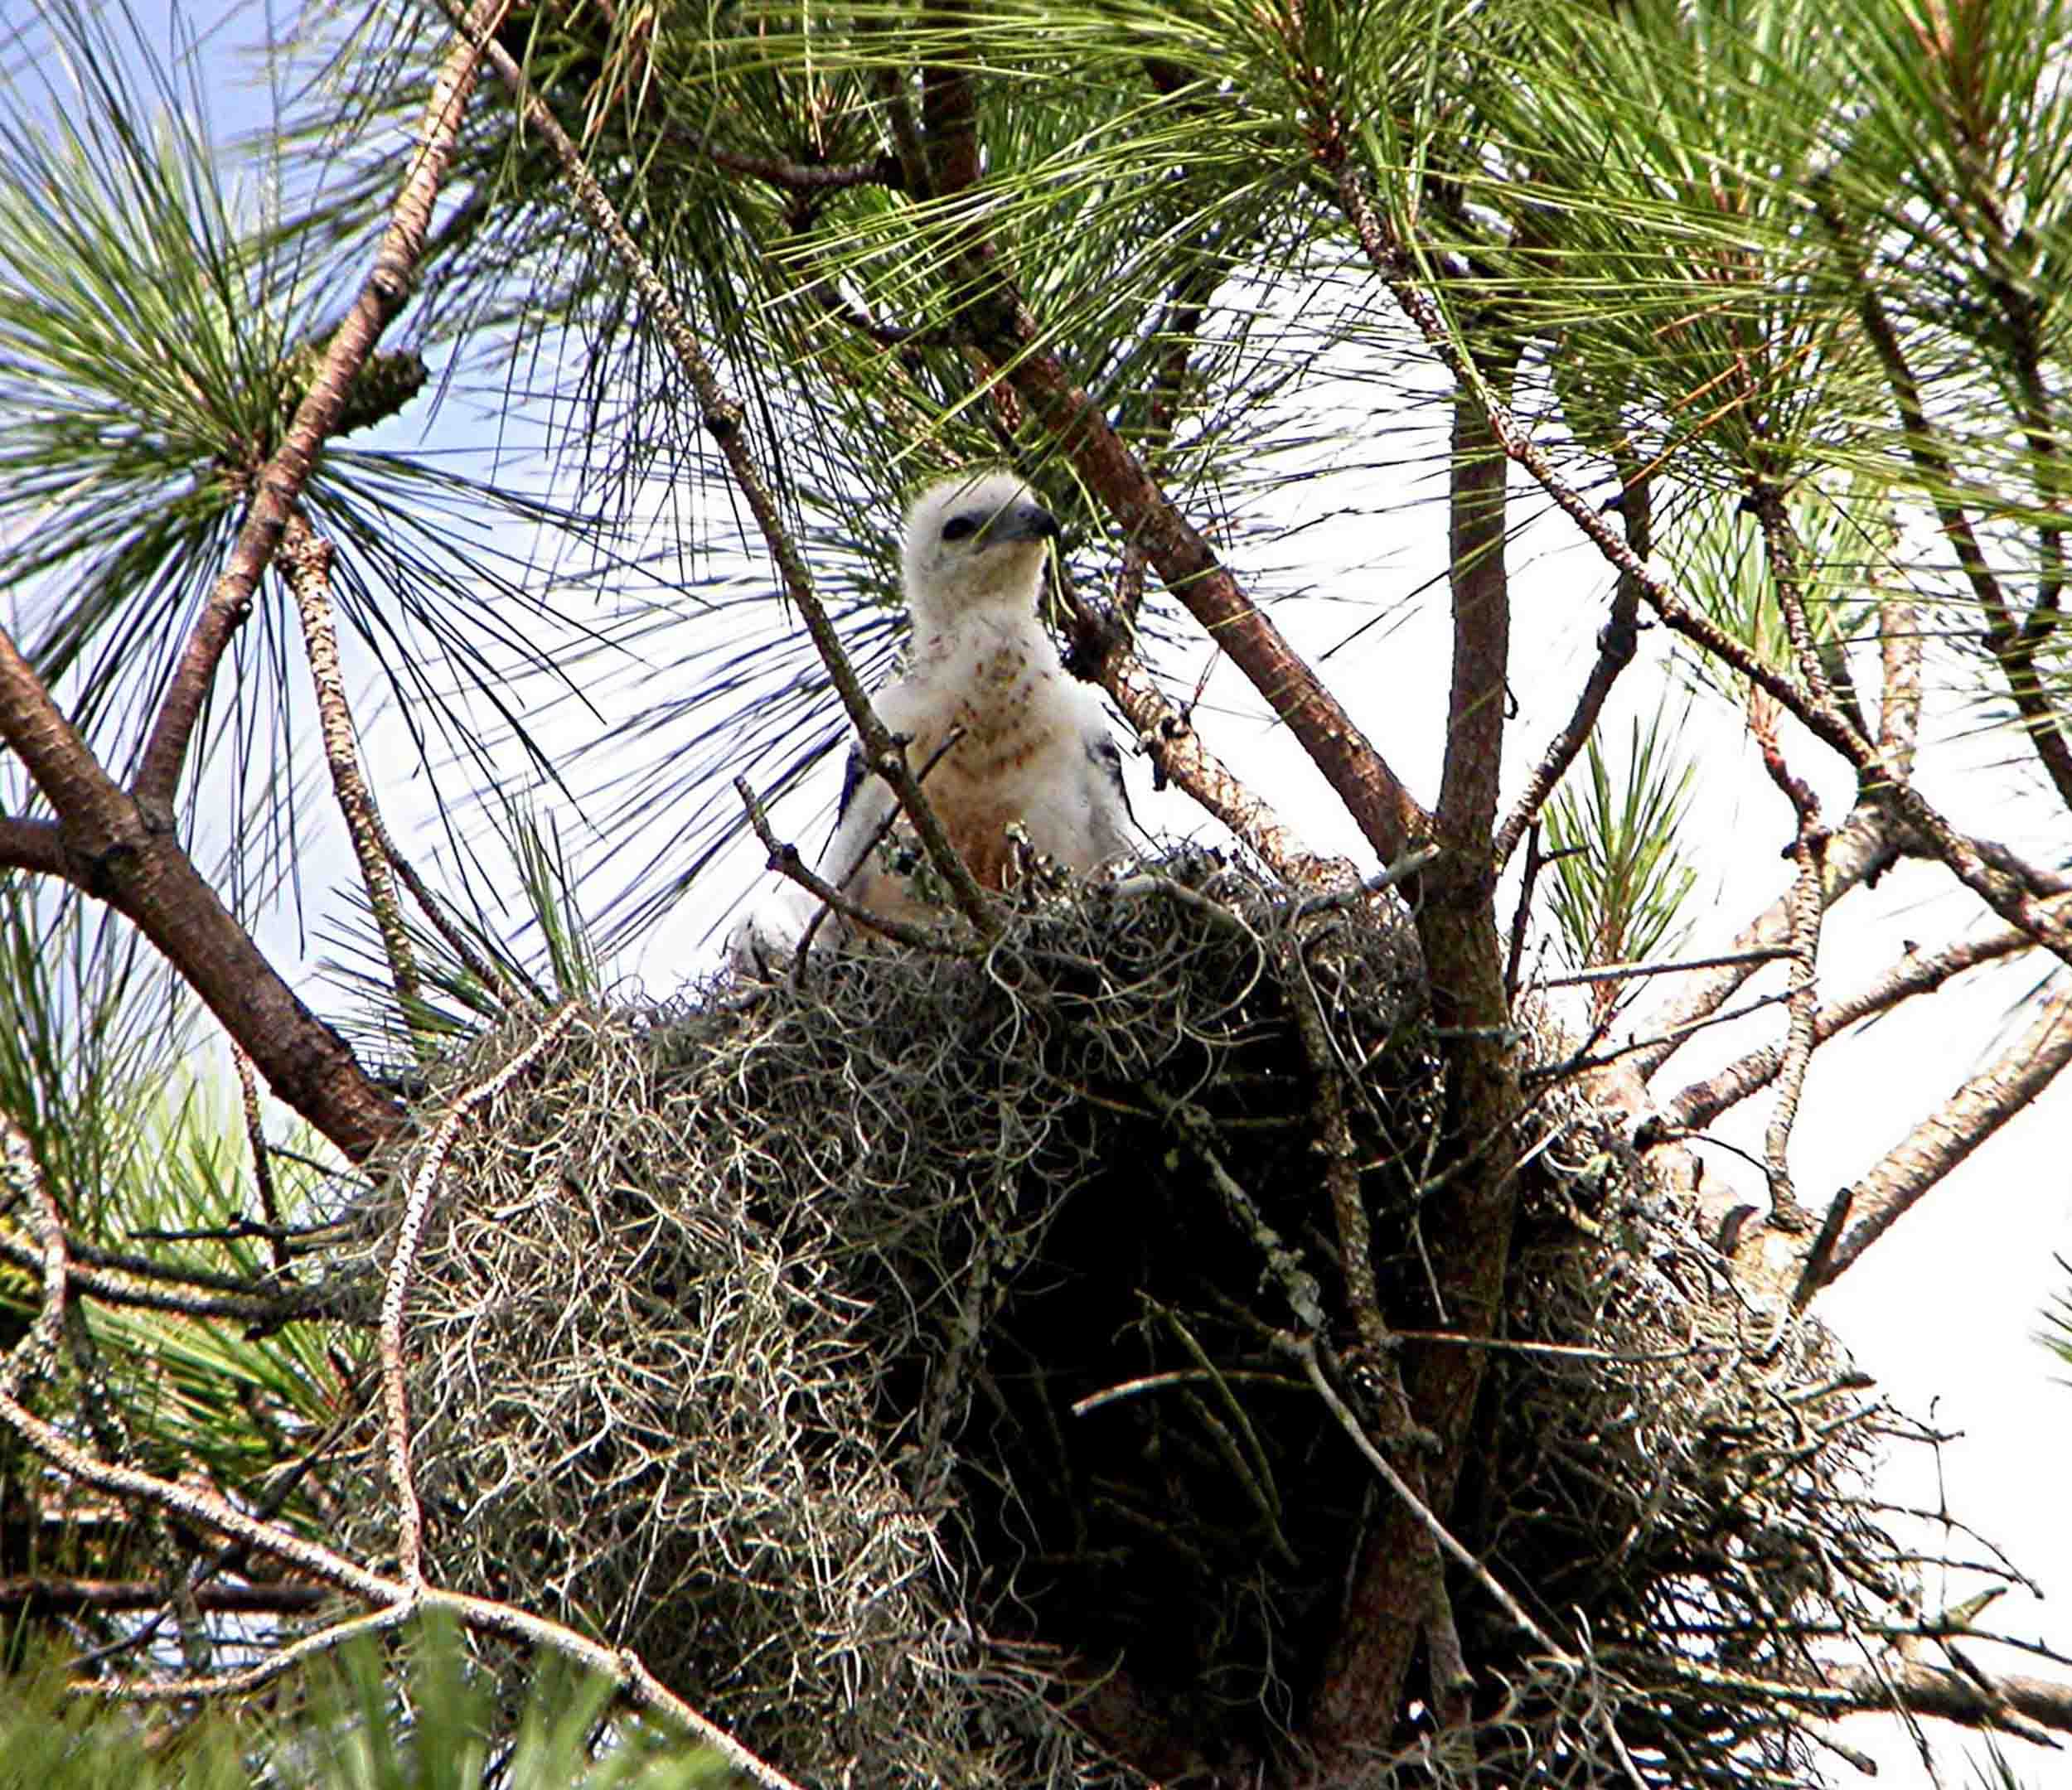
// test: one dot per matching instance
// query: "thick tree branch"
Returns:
(113, 853)
(1386, 814)
(35, 845)
(1955, 1697)
(1000, 326)
(1101, 651)
(1942, 1141)
(1481, 592)
(1914, 1685)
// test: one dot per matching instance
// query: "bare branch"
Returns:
(1942, 1141)
(253, 1307)
(1865, 845)
(1620, 972)
(1824, 672)
(396, 1289)
(1304, 1351)
(305, 560)
(784, 859)
(262, 1163)
(795, 177)
(1804, 907)
(1905, 1685)
(1698, 1104)
(1617, 641)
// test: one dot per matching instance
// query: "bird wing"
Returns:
(1106, 758)
(866, 800)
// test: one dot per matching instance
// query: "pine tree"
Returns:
(1751, 306)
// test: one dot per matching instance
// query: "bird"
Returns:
(1014, 741)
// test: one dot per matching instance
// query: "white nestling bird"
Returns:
(1034, 751)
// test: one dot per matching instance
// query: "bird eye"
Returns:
(957, 527)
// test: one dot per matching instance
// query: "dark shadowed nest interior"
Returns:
(888, 1360)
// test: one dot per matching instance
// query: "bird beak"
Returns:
(1025, 522)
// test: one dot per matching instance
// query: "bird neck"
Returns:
(979, 627)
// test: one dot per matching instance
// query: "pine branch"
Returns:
(2014, 647)
(115, 853)
(279, 484)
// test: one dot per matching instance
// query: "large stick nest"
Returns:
(754, 1334)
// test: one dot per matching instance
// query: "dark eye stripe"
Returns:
(957, 527)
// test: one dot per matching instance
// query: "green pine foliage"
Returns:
(359, 1720)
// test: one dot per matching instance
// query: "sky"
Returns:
(1943, 1311)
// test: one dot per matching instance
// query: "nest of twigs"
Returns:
(893, 1361)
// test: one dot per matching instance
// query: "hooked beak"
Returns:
(1025, 522)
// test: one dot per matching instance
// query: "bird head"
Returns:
(974, 540)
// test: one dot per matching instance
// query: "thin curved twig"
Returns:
(395, 1289)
